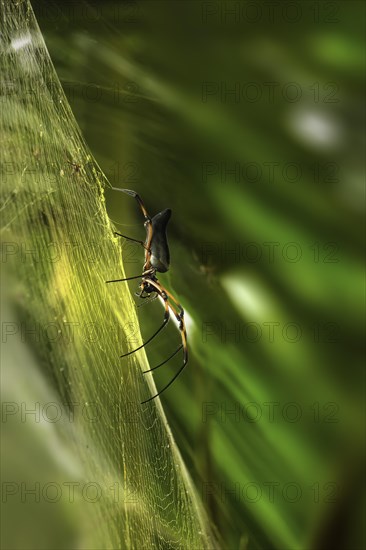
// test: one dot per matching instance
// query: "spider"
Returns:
(157, 259)
(76, 168)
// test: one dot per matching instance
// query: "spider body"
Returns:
(157, 259)
(75, 166)
(147, 287)
(160, 256)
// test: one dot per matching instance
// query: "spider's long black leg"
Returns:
(185, 360)
(166, 319)
(170, 295)
(166, 360)
(139, 200)
(179, 316)
(148, 272)
(148, 222)
(126, 279)
(130, 238)
(181, 324)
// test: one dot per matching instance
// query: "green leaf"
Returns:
(110, 464)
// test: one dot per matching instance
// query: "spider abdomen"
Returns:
(160, 257)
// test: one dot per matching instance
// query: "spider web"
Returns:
(58, 252)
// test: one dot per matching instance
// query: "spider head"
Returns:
(147, 287)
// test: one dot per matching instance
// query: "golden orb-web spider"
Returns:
(157, 259)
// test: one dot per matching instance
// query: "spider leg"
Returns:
(148, 272)
(148, 222)
(166, 319)
(181, 325)
(181, 314)
(130, 239)
(126, 279)
(166, 360)
(138, 198)
(185, 361)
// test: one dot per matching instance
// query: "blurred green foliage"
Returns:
(247, 122)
